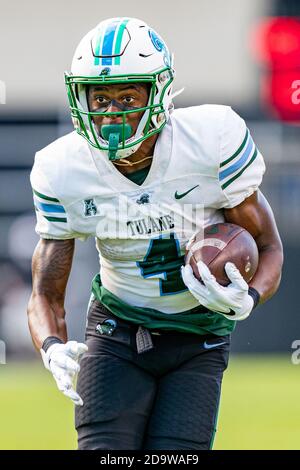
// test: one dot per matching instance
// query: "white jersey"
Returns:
(204, 161)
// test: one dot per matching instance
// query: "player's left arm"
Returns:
(240, 172)
(256, 216)
(237, 300)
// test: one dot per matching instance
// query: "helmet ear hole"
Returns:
(87, 91)
(76, 92)
(148, 85)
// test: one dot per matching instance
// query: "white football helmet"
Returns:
(121, 50)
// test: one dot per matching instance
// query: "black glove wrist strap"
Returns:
(255, 296)
(49, 341)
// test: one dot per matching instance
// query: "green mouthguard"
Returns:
(114, 134)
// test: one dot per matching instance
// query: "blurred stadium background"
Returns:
(244, 54)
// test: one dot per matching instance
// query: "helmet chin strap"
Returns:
(128, 163)
(113, 133)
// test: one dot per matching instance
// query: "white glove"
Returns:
(232, 300)
(62, 360)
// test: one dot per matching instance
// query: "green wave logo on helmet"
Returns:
(105, 71)
(159, 44)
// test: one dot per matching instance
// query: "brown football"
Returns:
(219, 244)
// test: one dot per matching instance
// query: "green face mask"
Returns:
(113, 138)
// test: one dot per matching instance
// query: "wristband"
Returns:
(49, 341)
(255, 296)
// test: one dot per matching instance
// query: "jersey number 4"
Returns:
(164, 258)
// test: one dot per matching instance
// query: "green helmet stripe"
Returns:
(98, 47)
(119, 41)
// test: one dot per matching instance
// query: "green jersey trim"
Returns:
(240, 172)
(55, 219)
(192, 321)
(43, 196)
(239, 150)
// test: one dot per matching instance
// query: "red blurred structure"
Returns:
(276, 45)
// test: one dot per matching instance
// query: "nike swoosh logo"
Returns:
(211, 346)
(179, 196)
(231, 313)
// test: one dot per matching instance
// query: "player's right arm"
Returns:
(52, 258)
(51, 266)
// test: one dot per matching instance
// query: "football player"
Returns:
(140, 177)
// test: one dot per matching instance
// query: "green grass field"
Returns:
(260, 407)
